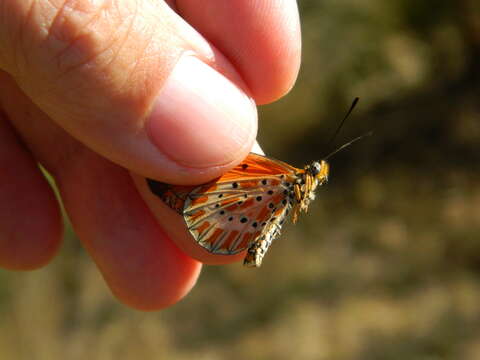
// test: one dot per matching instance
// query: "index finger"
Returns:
(260, 38)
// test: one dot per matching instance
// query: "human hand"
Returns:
(98, 91)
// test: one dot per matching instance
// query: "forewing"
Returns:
(255, 165)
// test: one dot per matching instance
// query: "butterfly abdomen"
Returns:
(174, 199)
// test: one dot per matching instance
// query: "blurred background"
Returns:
(386, 265)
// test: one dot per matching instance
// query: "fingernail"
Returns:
(200, 118)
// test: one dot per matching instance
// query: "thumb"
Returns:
(134, 83)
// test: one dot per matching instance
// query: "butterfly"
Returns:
(245, 208)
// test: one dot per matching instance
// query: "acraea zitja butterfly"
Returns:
(246, 207)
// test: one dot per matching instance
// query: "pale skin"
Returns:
(104, 93)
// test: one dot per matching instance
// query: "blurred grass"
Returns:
(387, 263)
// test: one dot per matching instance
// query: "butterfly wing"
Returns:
(226, 219)
(236, 210)
(256, 165)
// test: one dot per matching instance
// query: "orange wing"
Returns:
(257, 165)
(231, 215)
(253, 166)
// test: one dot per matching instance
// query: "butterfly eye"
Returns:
(315, 168)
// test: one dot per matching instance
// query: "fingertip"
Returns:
(31, 224)
(34, 246)
(140, 263)
(200, 119)
(166, 289)
(271, 60)
(261, 38)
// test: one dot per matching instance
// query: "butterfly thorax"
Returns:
(306, 182)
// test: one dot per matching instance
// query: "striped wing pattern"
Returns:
(243, 209)
(230, 215)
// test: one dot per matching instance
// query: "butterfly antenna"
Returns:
(334, 135)
(348, 144)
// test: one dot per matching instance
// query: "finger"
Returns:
(30, 220)
(134, 83)
(140, 263)
(261, 38)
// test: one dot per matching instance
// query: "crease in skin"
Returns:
(68, 28)
(65, 70)
(18, 42)
(134, 68)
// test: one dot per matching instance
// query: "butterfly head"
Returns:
(319, 170)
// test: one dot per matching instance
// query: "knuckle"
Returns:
(62, 35)
(85, 32)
